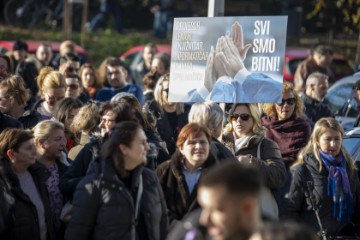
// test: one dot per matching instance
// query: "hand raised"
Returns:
(238, 40)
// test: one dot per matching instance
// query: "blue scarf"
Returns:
(338, 185)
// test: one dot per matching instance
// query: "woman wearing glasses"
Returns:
(52, 88)
(244, 137)
(286, 124)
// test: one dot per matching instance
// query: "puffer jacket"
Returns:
(104, 208)
(296, 207)
(178, 199)
(271, 164)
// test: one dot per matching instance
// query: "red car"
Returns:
(294, 56)
(33, 45)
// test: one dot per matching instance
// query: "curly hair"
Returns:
(269, 109)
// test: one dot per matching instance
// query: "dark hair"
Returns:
(64, 106)
(124, 112)
(238, 179)
(122, 133)
(152, 46)
(12, 138)
(69, 56)
(164, 58)
(324, 50)
(114, 62)
(8, 61)
(20, 45)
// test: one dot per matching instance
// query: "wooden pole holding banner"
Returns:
(216, 8)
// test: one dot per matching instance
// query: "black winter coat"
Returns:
(25, 215)
(8, 122)
(296, 207)
(103, 207)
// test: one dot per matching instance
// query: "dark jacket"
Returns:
(178, 199)
(296, 207)
(165, 131)
(290, 134)
(8, 122)
(25, 215)
(220, 151)
(103, 207)
(30, 118)
(79, 167)
(314, 109)
(271, 164)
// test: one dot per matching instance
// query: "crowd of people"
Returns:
(100, 153)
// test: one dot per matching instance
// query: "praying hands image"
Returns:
(227, 78)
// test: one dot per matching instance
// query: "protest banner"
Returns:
(228, 59)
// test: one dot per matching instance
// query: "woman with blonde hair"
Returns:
(244, 137)
(50, 142)
(171, 117)
(324, 174)
(286, 124)
(14, 98)
(52, 86)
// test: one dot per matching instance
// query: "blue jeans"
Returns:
(162, 23)
(105, 8)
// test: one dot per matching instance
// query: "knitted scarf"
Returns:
(338, 185)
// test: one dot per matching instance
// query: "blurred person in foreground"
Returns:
(324, 178)
(284, 231)
(229, 197)
(318, 61)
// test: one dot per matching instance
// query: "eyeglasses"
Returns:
(355, 88)
(289, 101)
(72, 86)
(242, 116)
(166, 90)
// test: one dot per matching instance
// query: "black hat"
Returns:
(20, 45)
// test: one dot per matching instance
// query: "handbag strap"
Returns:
(258, 152)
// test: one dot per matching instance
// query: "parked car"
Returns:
(132, 57)
(294, 56)
(351, 141)
(340, 97)
(33, 45)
